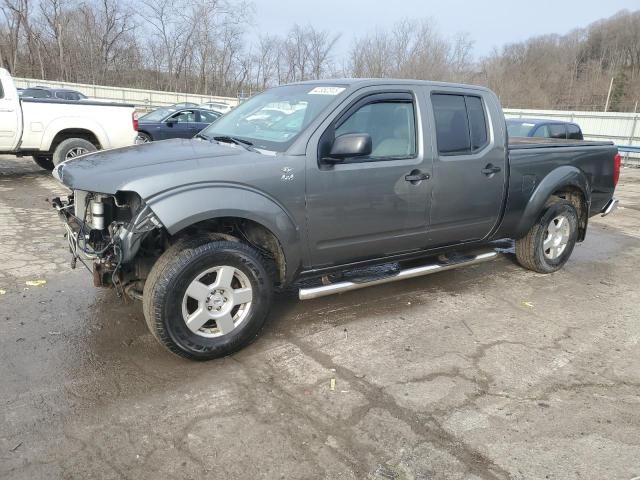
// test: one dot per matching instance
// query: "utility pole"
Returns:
(606, 106)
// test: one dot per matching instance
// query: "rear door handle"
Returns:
(416, 176)
(491, 169)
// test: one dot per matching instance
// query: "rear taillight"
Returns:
(617, 163)
(134, 120)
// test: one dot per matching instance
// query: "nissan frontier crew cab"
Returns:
(361, 182)
(52, 130)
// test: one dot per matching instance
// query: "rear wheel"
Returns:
(550, 242)
(72, 148)
(143, 138)
(44, 161)
(208, 300)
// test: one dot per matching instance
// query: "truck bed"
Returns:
(532, 160)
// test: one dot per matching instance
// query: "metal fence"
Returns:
(142, 99)
(623, 129)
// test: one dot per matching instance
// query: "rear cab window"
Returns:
(461, 123)
(574, 132)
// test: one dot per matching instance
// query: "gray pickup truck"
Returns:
(357, 183)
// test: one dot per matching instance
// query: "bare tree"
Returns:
(202, 46)
(56, 16)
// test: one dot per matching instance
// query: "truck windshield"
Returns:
(273, 119)
(519, 129)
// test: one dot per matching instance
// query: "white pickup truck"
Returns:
(52, 130)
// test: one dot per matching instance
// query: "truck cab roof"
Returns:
(366, 82)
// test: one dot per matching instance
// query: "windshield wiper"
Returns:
(246, 144)
(202, 136)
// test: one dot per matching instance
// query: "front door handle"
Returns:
(490, 169)
(416, 176)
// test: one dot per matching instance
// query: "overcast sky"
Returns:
(491, 23)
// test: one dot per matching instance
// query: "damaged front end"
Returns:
(117, 237)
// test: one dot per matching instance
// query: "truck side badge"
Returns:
(287, 174)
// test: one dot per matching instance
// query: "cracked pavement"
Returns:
(485, 372)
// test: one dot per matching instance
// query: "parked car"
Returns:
(53, 131)
(219, 107)
(378, 176)
(59, 93)
(530, 127)
(162, 124)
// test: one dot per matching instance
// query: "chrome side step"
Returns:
(340, 287)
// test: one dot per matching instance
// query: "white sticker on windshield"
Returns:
(326, 91)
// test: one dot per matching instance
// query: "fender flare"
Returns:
(73, 123)
(182, 207)
(557, 179)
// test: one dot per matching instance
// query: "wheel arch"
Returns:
(247, 215)
(146, 132)
(68, 133)
(566, 182)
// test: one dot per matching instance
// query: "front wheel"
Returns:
(208, 300)
(550, 242)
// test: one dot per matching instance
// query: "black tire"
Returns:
(66, 147)
(530, 250)
(143, 138)
(44, 161)
(167, 284)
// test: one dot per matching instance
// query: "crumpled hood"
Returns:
(109, 171)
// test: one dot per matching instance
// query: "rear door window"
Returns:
(542, 132)
(208, 117)
(558, 131)
(452, 128)
(461, 124)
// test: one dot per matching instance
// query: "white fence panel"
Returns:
(142, 99)
(620, 128)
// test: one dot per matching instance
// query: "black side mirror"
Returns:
(171, 122)
(349, 145)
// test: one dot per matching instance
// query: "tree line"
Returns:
(206, 47)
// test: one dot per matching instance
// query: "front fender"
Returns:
(565, 176)
(187, 205)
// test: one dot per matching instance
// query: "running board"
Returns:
(340, 287)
